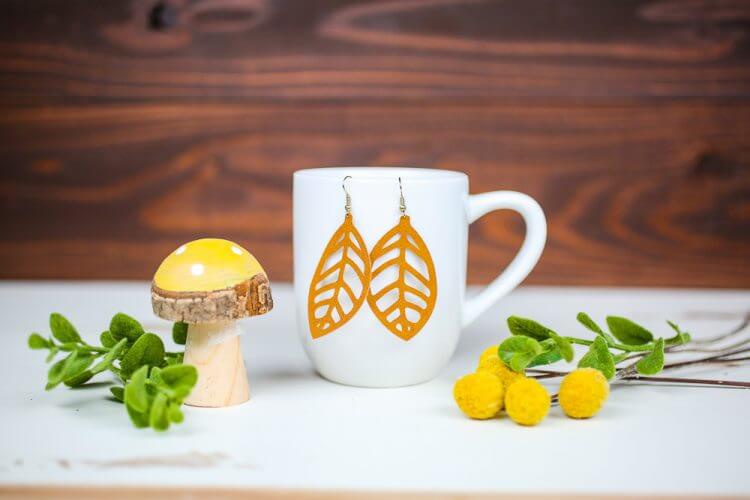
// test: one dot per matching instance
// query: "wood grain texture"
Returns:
(222, 379)
(127, 129)
(337, 49)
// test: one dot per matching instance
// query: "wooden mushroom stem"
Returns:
(213, 343)
(214, 349)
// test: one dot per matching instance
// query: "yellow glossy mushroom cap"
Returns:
(206, 265)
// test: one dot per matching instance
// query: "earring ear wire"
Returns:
(348, 203)
(401, 200)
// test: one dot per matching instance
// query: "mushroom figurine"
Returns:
(209, 284)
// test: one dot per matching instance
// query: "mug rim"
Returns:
(375, 173)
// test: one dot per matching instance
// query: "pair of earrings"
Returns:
(397, 279)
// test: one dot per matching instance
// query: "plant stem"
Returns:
(628, 372)
(709, 349)
(709, 359)
(691, 381)
(641, 378)
(614, 345)
(545, 373)
(706, 342)
(744, 324)
(81, 348)
(729, 361)
(724, 355)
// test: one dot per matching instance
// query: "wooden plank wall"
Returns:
(128, 127)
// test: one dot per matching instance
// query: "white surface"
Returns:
(300, 431)
(362, 352)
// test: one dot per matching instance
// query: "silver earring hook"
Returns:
(348, 205)
(401, 200)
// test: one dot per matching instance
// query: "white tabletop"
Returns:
(299, 431)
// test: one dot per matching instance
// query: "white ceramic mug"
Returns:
(362, 352)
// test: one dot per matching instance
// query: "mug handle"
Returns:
(525, 259)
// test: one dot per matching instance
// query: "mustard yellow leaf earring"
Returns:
(403, 285)
(342, 278)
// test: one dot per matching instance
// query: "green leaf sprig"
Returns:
(154, 381)
(153, 397)
(533, 344)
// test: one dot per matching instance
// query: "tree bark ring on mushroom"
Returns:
(209, 280)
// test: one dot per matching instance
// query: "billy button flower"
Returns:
(489, 361)
(479, 395)
(490, 352)
(583, 392)
(527, 401)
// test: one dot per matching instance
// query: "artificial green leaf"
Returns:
(158, 418)
(175, 413)
(621, 356)
(76, 372)
(79, 363)
(61, 370)
(653, 362)
(79, 378)
(147, 350)
(55, 374)
(52, 353)
(123, 326)
(139, 418)
(174, 358)
(110, 357)
(136, 396)
(180, 378)
(680, 337)
(628, 332)
(599, 357)
(118, 393)
(550, 354)
(589, 323)
(564, 347)
(69, 346)
(36, 341)
(674, 326)
(106, 339)
(518, 351)
(155, 375)
(528, 328)
(175, 376)
(179, 333)
(546, 358)
(62, 329)
(592, 325)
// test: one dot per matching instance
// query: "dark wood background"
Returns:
(128, 127)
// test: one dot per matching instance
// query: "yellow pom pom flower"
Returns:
(527, 401)
(490, 362)
(479, 395)
(490, 352)
(583, 392)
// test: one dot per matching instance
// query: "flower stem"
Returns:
(689, 381)
(712, 340)
(623, 373)
(614, 345)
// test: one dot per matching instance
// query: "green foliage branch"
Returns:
(153, 383)
(533, 344)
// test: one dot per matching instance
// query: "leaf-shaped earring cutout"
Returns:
(332, 301)
(411, 290)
